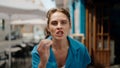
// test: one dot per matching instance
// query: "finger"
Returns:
(49, 44)
(43, 42)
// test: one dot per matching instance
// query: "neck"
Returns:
(60, 44)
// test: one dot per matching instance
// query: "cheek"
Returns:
(52, 30)
(67, 30)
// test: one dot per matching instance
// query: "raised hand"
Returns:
(44, 51)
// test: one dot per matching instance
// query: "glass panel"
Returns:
(105, 42)
(99, 45)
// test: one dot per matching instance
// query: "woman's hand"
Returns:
(44, 51)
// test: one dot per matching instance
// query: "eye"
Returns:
(54, 22)
(63, 22)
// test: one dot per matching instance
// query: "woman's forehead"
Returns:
(58, 15)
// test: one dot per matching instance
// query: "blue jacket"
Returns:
(78, 56)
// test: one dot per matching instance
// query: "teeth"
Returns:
(60, 32)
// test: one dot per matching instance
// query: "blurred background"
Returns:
(95, 23)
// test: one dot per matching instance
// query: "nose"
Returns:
(59, 26)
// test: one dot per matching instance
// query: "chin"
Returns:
(60, 38)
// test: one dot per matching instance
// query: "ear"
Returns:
(70, 26)
(48, 29)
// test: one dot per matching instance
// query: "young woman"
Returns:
(59, 50)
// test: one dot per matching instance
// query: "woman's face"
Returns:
(59, 25)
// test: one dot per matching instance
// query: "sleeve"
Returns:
(86, 58)
(35, 58)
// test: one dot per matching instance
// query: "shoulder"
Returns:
(80, 46)
(76, 44)
(35, 57)
(77, 47)
(34, 51)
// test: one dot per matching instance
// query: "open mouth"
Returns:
(59, 33)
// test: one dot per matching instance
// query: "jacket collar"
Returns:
(73, 44)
